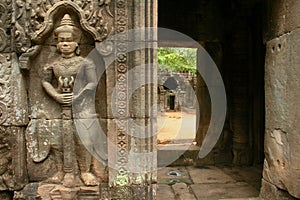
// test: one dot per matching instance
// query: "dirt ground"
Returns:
(176, 125)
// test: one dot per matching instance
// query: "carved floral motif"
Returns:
(5, 24)
(96, 13)
(5, 89)
(6, 179)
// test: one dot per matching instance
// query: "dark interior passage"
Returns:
(231, 32)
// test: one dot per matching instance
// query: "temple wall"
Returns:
(281, 167)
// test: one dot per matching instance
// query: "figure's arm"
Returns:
(62, 98)
(91, 79)
(91, 75)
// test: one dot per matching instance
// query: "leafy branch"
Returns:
(177, 59)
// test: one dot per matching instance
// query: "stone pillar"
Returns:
(281, 173)
(132, 118)
(214, 49)
(204, 108)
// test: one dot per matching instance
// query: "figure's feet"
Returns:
(69, 180)
(105, 179)
(57, 178)
(89, 179)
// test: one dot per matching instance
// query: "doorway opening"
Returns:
(176, 95)
(231, 33)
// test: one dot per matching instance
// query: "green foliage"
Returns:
(177, 59)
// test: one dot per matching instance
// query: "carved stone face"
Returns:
(66, 44)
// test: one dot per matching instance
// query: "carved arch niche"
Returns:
(43, 108)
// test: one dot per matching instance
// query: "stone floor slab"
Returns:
(252, 175)
(224, 191)
(182, 192)
(167, 175)
(164, 192)
(209, 174)
(211, 183)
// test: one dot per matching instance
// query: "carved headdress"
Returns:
(67, 25)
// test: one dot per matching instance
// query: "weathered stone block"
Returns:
(292, 18)
(282, 113)
(274, 18)
(269, 191)
(280, 17)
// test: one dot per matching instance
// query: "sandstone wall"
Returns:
(281, 176)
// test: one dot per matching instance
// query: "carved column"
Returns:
(143, 102)
(214, 49)
(132, 121)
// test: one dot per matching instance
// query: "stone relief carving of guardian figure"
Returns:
(72, 161)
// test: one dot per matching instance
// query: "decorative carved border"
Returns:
(132, 192)
(121, 64)
(34, 19)
(5, 88)
(5, 25)
(86, 25)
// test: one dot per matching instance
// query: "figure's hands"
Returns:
(64, 98)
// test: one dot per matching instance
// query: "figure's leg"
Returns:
(71, 178)
(85, 161)
(100, 169)
(59, 175)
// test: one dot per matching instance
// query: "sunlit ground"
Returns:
(176, 125)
